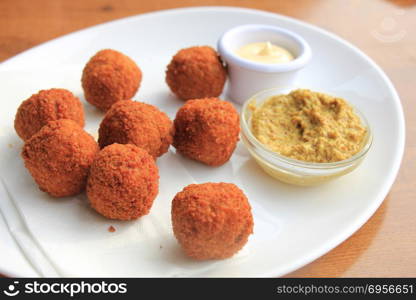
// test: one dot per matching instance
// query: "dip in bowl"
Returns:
(248, 52)
(304, 137)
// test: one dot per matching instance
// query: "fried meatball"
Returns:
(207, 130)
(211, 220)
(45, 106)
(59, 157)
(141, 124)
(108, 77)
(123, 182)
(196, 72)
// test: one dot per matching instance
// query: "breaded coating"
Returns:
(141, 124)
(211, 220)
(207, 130)
(108, 77)
(47, 105)
(196, 72)
(59, 157)
(123, 182)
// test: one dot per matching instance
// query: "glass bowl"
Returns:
(290, 170)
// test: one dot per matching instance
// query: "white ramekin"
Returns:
(247, 77)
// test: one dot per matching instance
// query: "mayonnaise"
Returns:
(264, 53)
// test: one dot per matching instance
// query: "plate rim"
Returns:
(389, 179)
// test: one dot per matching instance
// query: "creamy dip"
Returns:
(265, 53)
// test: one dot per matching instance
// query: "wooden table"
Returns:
(385, 29)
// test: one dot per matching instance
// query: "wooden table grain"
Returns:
(385, 29)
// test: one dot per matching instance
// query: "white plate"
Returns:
(293, 225)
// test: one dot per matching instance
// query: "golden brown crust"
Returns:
(108, 77)
(211, 220)
(45, 106)
(196, 72)
(141, 124)
(59, 157)
(123, 182)
(207, 130)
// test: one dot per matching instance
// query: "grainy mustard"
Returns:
(309, 126)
